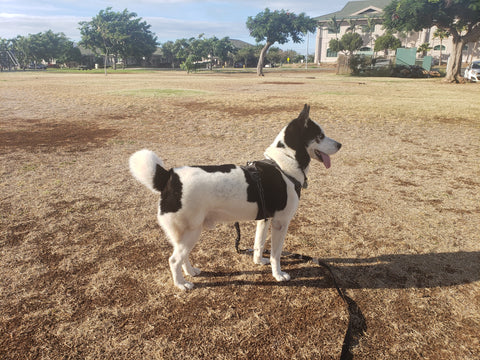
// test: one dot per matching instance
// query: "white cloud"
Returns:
(19, 24)
(172, 29)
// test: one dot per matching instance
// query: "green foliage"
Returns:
(45, 46)
(349, 43)
(279, 26)
(333, 26)
(248, 55)
(424, 48)
(386, 42)
(461, 18)
(187, 52)
(416, 15)
(189, 64)
(119, 34)
(359, 62)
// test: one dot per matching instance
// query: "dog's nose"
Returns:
(339, 146)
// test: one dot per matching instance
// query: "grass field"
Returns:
(84, 266)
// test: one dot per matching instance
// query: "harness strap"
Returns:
(255, 175)
(296, 183)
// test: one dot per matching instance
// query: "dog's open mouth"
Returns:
(323, 158)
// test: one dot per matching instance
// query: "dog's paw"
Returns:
(261, 261)
(193, 271)
(190, 270)
(281, 276)
(185, 286)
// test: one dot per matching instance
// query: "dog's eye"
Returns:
(320, 137)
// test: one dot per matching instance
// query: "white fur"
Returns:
(143, 165)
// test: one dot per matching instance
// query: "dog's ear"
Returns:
(304, 115)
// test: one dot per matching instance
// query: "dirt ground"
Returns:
(84, 266)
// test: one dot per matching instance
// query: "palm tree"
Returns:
(333, 26)
(352, 26)
(369, 29)
(441, 34)
(424, 48)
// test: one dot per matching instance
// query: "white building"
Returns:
(358, 14)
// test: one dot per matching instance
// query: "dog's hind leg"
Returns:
(260, 237)
(279, 230)
(179, 258)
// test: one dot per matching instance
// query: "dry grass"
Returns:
(84, 272)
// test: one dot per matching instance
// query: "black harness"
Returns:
(255, 175)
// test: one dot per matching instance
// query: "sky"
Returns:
(169, 19)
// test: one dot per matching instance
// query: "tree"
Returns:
(247, 55)
(117, 34)
(168, 52)
(424, 48)
(352, 26)
(278, 26)
(189, 52)
(461, 18)
(349, 43)
(224, 49)
(369, 28)
(22, 46)
(387, 41)
(47, 46)
(333, 26)
(441, 34)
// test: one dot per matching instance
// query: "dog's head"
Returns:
(308, 140)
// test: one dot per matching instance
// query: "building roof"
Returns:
(357, 10)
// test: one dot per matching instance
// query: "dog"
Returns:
(197, 197)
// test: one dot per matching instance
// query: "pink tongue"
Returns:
(326, 160)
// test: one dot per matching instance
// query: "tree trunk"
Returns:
(105, 62)
(440, 61)
(261, 59)
(454, 64)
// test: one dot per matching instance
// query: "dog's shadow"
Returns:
(398, 271)
(383, 272)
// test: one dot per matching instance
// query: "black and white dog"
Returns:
(194, 197)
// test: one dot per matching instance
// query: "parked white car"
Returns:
(472, 72)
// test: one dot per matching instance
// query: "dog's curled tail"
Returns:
(148, 168)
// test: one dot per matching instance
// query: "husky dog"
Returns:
(194, 197)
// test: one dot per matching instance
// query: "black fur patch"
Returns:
(274, 190)
(298, 136)
(217, 168)
(160, 179)
(280, 145)
(171, 196)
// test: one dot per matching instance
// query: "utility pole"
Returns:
(306, 56)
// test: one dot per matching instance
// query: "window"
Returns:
(437, 47)
(331, 53)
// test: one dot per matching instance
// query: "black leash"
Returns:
(356, 322)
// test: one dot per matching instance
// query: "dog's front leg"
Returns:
(279, 230)
(260, 237)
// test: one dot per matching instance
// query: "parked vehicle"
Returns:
(472, 72)
(37, 66)
(380, 63)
